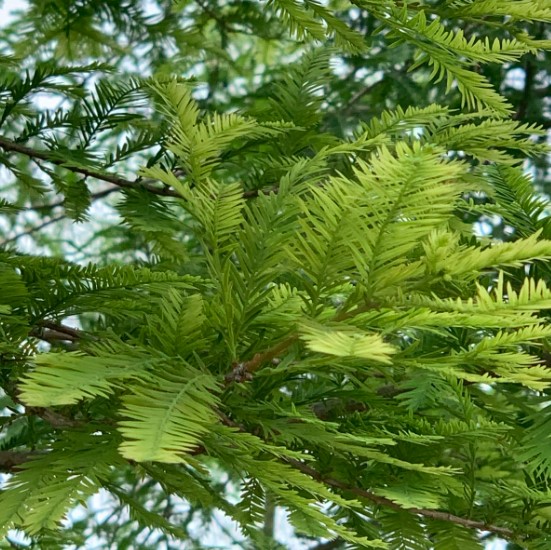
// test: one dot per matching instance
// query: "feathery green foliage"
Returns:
(273, 293)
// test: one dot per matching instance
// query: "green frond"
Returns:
(368, 227)
(400, 121)
(384, 458)
(462, 260)
(43, 122)
(501, 356)
(452, 537)
(311, 19)
(530, 298)
(282, 306)
(7, 207)
(410, 496)
(13, 291)
(346, 39)
(14, 90)
(195, 486)
(167, 417)
(107, 108)
(141, 139)
(474, 49)
(406, 197)
(524, 10)
(59, 288)
(448, 54)
(402, 531)
(422, 389)
(145, 517)
(516, 202)
(298, 96)
(390, 321)
(535, 443)
(70, 377)
(218, 210)
(300, 22)
(178, 329)
(150, 216)
(198, 144)
(40, 495)
(346, 342)
(490, 139)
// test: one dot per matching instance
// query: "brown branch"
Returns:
(51, 331)
(10, 460)
(72, 333)
(124, 183)
(383, 501)
(242, 372)
(50, 335)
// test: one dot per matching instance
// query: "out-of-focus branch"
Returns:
(33, 229)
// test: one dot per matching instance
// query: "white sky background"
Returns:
(78, 231)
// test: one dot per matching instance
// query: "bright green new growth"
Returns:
(315, 319)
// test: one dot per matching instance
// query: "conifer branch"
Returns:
(124, 183)
(383, 501)
(380, 500)
(119, 181)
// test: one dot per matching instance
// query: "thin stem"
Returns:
(124, 183)
(61, 202)
(242, 372)
(33, 229)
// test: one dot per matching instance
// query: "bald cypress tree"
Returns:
(275, 267)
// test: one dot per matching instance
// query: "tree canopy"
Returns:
(283, 258)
